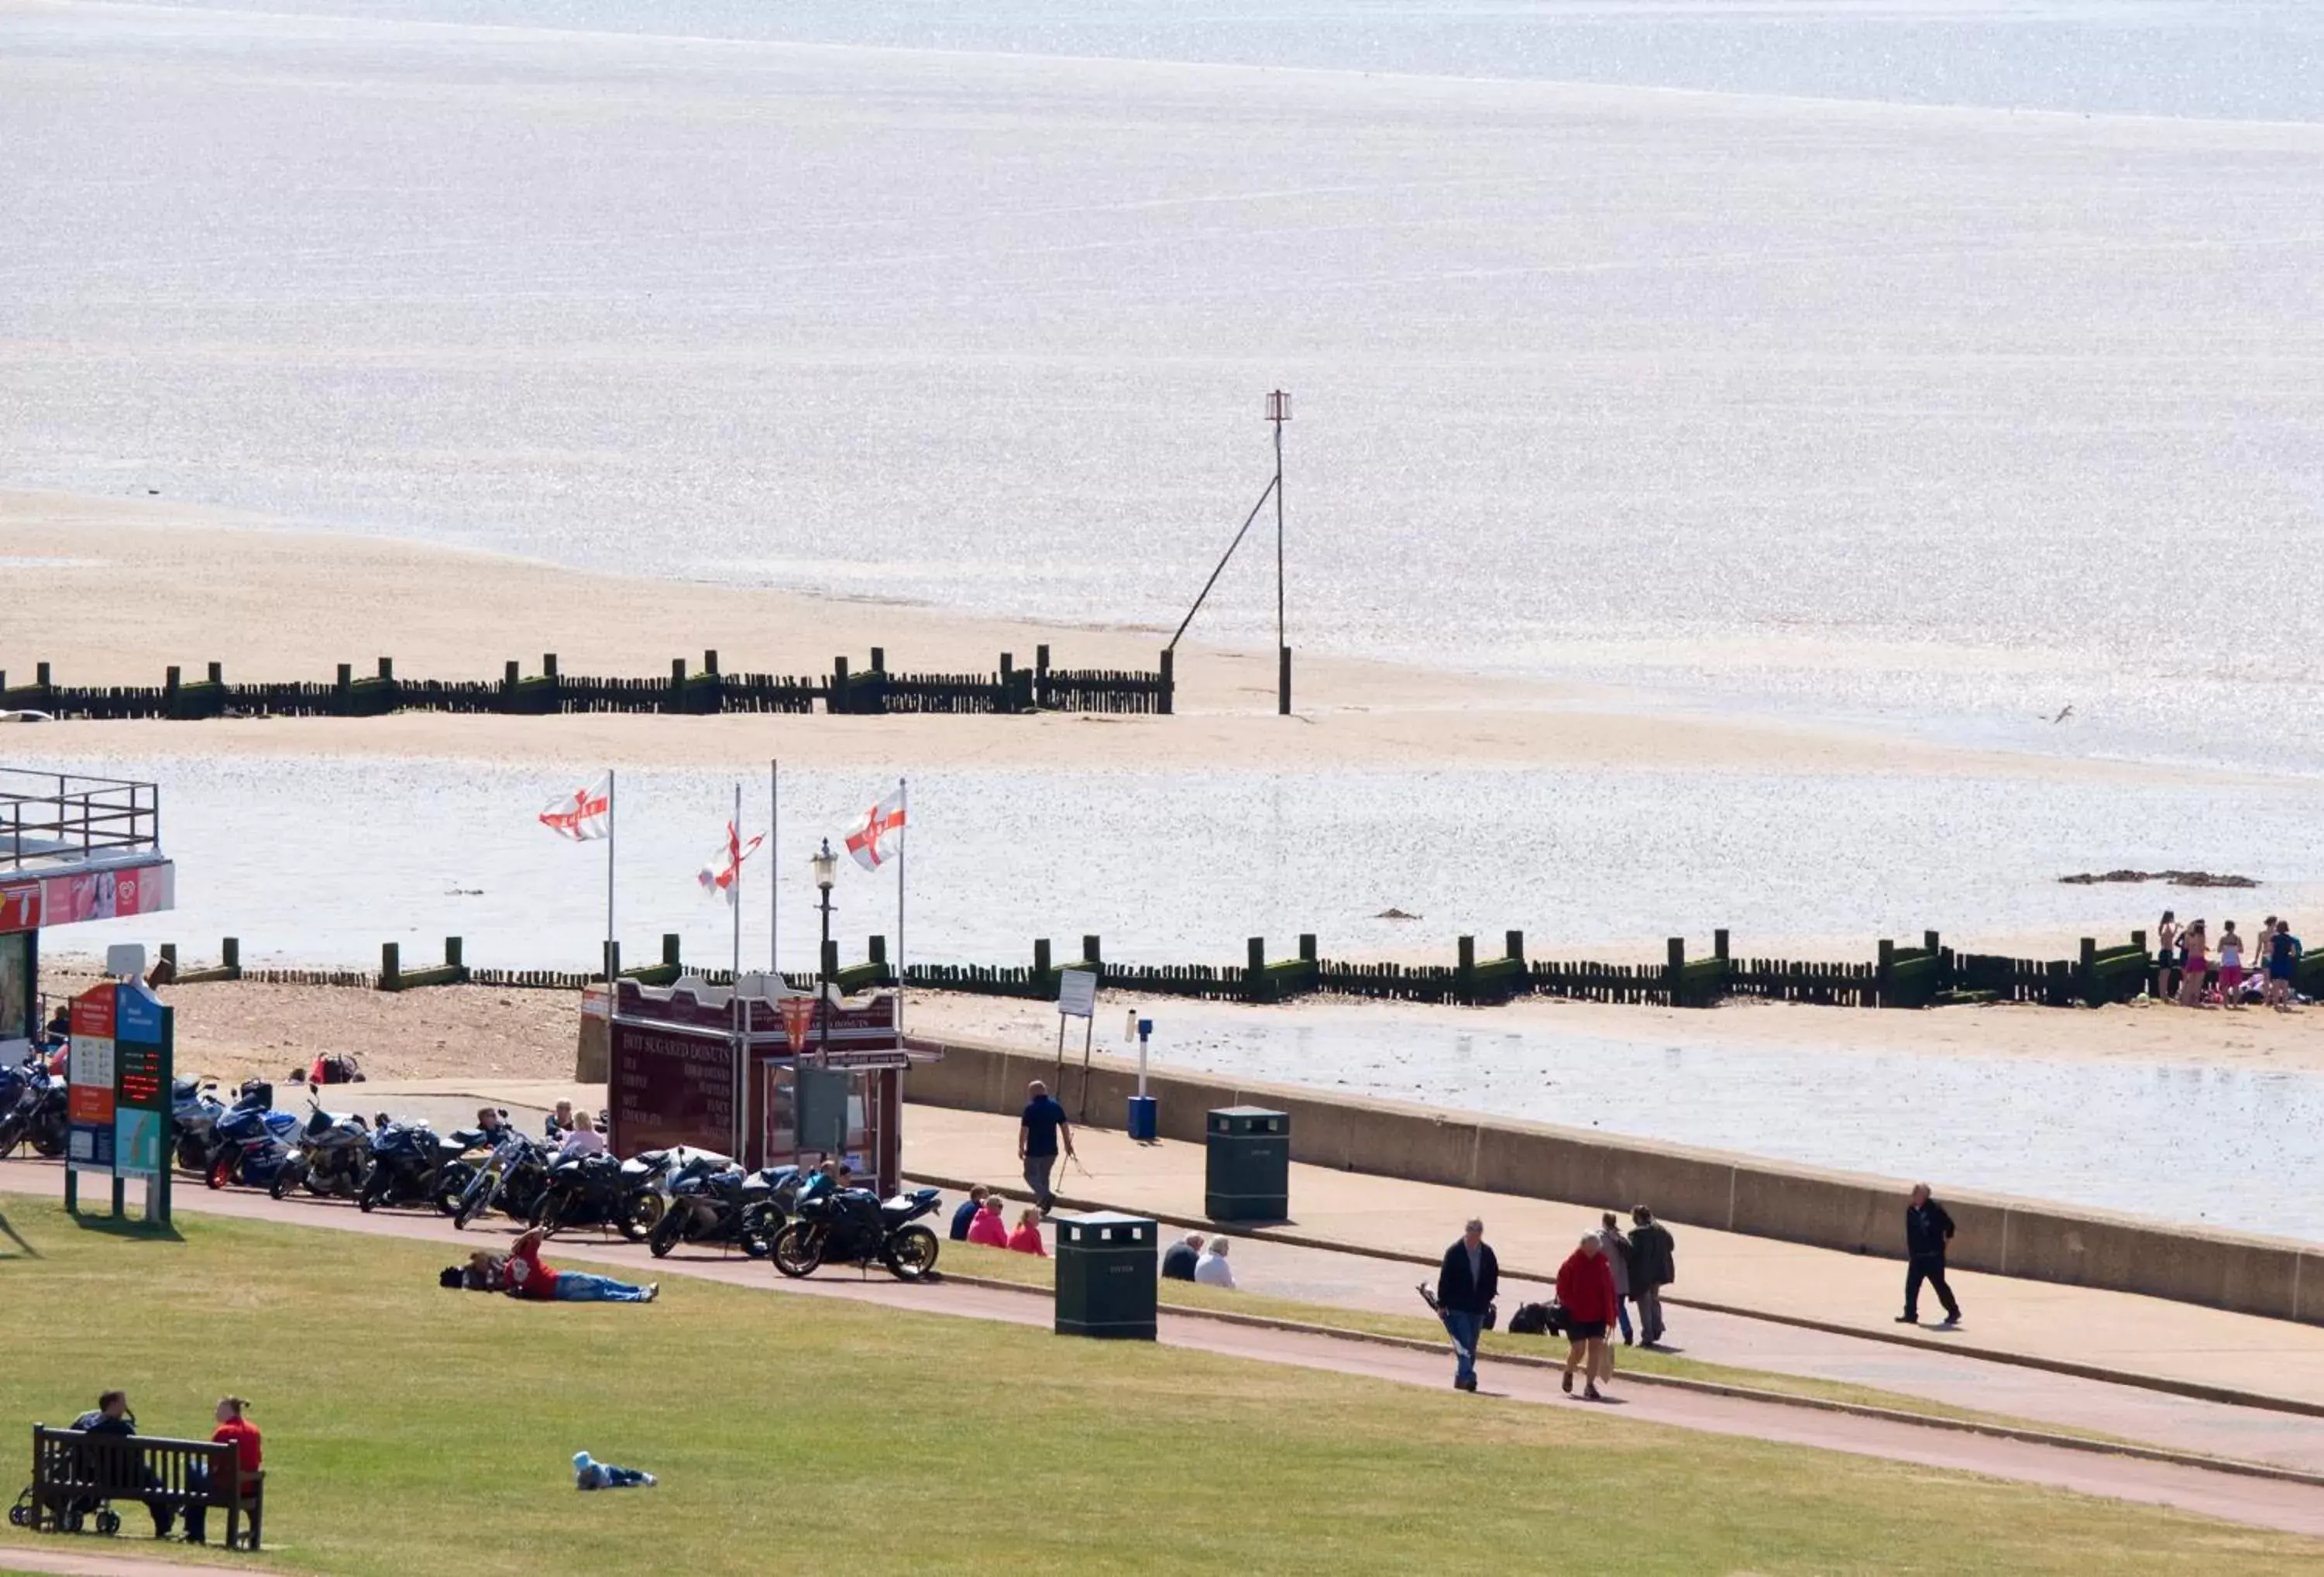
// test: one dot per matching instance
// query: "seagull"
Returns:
(2062, 716)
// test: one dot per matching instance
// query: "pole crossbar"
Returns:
(1263, 497)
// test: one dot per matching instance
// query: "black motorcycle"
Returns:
(511, 1179)
(732, 1206)
(855, 1226)
(586, 1191)
(32, 1108)
(409, 1161)
(194, 1112)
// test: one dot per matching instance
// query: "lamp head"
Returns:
(826, 866)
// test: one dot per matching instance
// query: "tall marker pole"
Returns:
(1278, 411)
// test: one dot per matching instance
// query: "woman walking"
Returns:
(2166, 956)
(2194, 964)
(1585, 1290)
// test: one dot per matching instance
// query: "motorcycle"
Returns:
(650, 1176)
(32, 1108)
(586, 1191)
(746, 1209)
(856, 1226)
(409, 1162)
(250, 1143)
(512, 1178)
(332, 1157)
(194, 1111)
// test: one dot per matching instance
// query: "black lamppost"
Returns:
(826, 873)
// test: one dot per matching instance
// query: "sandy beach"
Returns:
(277, 603)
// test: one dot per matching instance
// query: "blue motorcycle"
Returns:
(251, 1141)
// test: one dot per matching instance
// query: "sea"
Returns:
(1954, 370)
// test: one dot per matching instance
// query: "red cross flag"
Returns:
(585, 814)
(717, 877)
(885, 817)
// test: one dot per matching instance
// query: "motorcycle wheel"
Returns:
(757, 1231)
(190, 1155)
(911, 1253)
(666, 1235)
(283, 1179)
(367, 1201)
(51, 1145)
(471, 1208)
(220, 1173)
(797, 1249)
(451, 1188)
(641, 1214)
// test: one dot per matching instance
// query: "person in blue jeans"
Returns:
(528, 1277)
(589, 1473)
(1465, 1286)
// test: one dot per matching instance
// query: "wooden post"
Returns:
(218, 673)
(509, 675)
(1040, 956)
(1283, 682)
(41, 674)
(391, 967)
(1041, 675)
(230, 956)
(2089, 971)
(1255, 953)
(1091, 955)
(875, 949)
(1256, 986)
(1881, 973)
(1169, 684)
(548, 665)
(1513, 946)
(710, 662)
(1676, 950)
(1465, 972)
(613, 959)
(669, 949)
(1718, 945)
(343, 687)
(878, 659)
(837, 703)
(452, 959)
(1307, 947)
(169, 688)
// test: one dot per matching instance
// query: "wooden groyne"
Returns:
(1928, 975)
(871, 689)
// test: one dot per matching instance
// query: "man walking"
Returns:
(1616, 1249)
(1653, 1265)
(1465, 1286)
(1927, 1229)
(1038, 1133)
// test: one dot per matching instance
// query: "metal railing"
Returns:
(47, 817)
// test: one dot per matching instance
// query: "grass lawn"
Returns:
(410, 1428)
(1027, 1270)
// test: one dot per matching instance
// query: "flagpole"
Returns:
(741, 1057)
(774, 866)
(903, 841)
(609, 879)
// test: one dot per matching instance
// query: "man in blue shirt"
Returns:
(967, 1213)
(1037, 1137)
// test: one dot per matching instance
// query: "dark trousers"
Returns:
(1931, 1268)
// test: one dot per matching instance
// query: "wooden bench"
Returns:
(73, 1472)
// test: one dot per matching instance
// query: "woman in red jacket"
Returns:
(1585, 1290)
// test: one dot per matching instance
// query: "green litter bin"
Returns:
(1246, 1172)
(1105, 1276)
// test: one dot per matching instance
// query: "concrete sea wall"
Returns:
(1849, 1212)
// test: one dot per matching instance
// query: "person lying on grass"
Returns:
(528, 1277)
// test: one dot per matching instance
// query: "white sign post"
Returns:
(1077, 999)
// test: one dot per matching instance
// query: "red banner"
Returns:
(89, 895)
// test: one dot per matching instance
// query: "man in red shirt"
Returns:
(529, 1278)
(239, 1432)
(1585, 1290)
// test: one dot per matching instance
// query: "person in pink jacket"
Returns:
(1585, 1290)
(986, 1228)
(1026, 1238)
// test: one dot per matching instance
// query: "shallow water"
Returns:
(2224, 1148)
(316, 862)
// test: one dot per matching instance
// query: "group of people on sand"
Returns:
(2197, 970)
